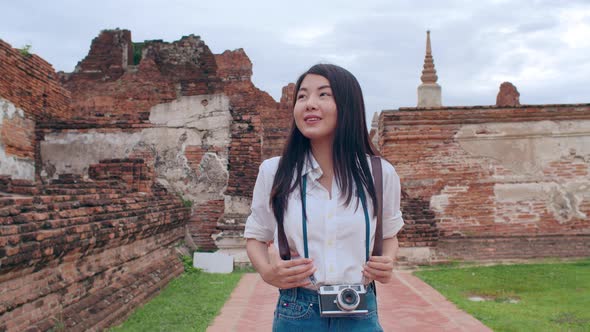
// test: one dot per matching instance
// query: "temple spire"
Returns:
(429, 73)
(429, 92)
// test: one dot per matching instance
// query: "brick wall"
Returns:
(169, 70)
(31, 84)
(207, 154)
(166, 73)
(492, 174)
(29, 92)
(234, 66)
(512, 247)
(17, 134)
(276, 124)
(77, 253)
(86, 253)
(17, 142)
(204, 223)
(248, 104)
(110, 54)
(107, 93)
(258, 130)
(136, 175)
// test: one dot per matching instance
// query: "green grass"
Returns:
(551, 297)
(189, 302)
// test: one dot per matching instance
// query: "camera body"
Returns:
(343, 300)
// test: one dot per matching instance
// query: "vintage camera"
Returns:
(343, 300)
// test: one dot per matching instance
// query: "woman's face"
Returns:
(315, 110)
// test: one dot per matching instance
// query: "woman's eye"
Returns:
(300, 96)
(324, 94)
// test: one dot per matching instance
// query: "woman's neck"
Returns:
(322, 152)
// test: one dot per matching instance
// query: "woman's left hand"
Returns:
(379, 268)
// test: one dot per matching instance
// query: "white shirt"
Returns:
(335, 232)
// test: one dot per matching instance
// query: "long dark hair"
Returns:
(350, 148)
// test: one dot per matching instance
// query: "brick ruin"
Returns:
(195, 117)
(106, 170)
(82, 254)
(492, 182)
(507, 181)
(78, 253)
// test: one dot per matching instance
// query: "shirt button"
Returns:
(330, 243)
(331, 268)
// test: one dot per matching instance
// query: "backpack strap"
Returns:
(378, 182)
(284, 250)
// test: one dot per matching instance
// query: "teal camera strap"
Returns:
(361, 194)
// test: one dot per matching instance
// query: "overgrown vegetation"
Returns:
(528, 297)
(137, 49)
(189, 268)
(189, 303)
(25, 50)
(185, 202)
(58, 321)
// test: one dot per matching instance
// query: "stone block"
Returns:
(213, 262)
(508, 96)
(429, 95)
(415, 255)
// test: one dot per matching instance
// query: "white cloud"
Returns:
(576, 23)
(307, 36)
(344, 60)
(541, 46)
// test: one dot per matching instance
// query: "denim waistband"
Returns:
(306, 294)
(300, 293)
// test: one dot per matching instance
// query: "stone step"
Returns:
(233, 219)
(230, 227)
(230, 239)
(240, 256)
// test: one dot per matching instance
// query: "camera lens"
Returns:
(348, 299)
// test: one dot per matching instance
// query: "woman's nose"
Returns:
(311, 103)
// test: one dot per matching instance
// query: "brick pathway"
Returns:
(405, 304)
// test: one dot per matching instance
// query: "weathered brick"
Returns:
(455, 193)
(45, 241)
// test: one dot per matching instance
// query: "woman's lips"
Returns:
(311, 119)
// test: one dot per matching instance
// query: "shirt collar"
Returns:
(311, 167)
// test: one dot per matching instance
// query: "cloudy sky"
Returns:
(542, 47)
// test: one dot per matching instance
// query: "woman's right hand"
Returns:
(287, 274)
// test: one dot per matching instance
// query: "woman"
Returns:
(327, 153)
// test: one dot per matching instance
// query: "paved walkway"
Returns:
(405, 304)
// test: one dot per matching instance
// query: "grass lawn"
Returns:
(528, 297)
(189, 303)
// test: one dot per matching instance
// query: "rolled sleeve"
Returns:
(392, 215)
(261, 224)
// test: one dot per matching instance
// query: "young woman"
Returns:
(328, 153)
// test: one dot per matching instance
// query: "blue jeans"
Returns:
(298, 310)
